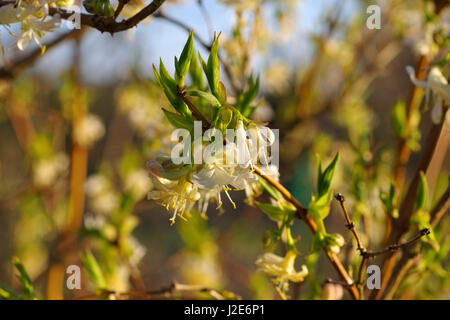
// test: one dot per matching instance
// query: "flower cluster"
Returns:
(34, 19)
(180, 187)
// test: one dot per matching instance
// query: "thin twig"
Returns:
(168, 291)
(350, 225)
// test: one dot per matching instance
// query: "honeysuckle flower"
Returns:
(438, 85)
(334, 242)
(47, 170)
(138, 183)
(218, 176)
(88, 130)
(34, 19)
(102, 198)
(33, 29)
(177, 195)
(281, 269)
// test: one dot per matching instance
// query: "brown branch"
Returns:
(120, 7)
(109, 24)
(182, 94)
(101, 23)
(165, 291)
(403, 151)
(395, 247)
(408, 260)
(350, 225)
(302, 215)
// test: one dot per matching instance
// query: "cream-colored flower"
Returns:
(177, 195)
(138, 183)
(102, 198)
(88, 130)
(47, 170)
(277, 77)
(281, 269)
(438, 85)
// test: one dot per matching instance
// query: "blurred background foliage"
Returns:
(328, 83)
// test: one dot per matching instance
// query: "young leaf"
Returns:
(94, 271)
(248, 96)
(178, 121)
(208, 97)
(273, 193)
(276, 213)
(325, 177)
(196, 72)
(212, 68)
(27, 287)
(422, 193)
(182, 66)
(399, 119)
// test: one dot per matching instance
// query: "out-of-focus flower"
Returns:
(438, 85)
(277, 77)
(332, 291)
(281, 269)
(334, 242)
(88, 130)
(138, 183)
(47, 170)
(103, 200)
(142, 112)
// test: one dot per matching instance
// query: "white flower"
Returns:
(277, 77)
(281, 269)
(105, 203)
(96, 184)
(34, 19)
(103, 200)
(438, 85)
(88, 130)
(138, 183)
(177, 195)
(46, 171)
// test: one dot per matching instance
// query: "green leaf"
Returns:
(8, 293)
(94, 271)
(208, 97)
(244, 104)
(389, 201)
(212, 68)
(276, 213)
(27, 287)
(182, 66)
(422, 193)
(170, 89)
(222, 93)
(196, 72)
(325, 177)
(99, 7)
(399, 119)
(179, 121)
(273, 193)
(318, 208)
